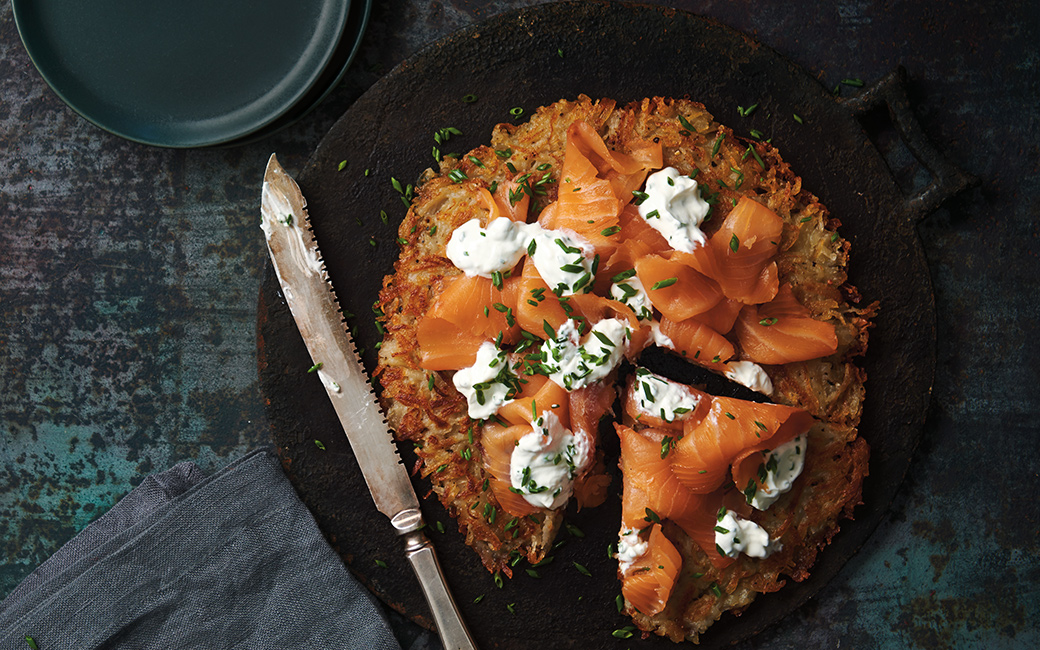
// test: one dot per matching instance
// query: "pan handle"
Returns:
(947, 178)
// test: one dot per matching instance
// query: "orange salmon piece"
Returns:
(586, 204)
(742, 253)
(732, 427)
(649, 581)
(698, 343)
(783, 331)
(511, 201)
(450, 333)
(651, 491)
(498, 443)
(538, 395)
(536, 303)
(675, 289)
(722, 316)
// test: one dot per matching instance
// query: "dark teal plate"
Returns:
(189, 73)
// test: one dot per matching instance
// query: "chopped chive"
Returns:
(469, 99)
(798, 118)
(624, 633)
(734, 243)
(686, 124)
(574, 530)
(855, 83)
(718, 143)
(582, 570)
(516, 111)
(381, 564)
(342, 165)
(319, 444)
(607, 232)
(498, 579)
(624, 275)
(440, 527)
(766, 322)
(533, 573)
(316, 367)
(667, 282)
(478, 598)
(715, 587)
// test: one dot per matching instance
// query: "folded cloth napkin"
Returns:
(234, 560)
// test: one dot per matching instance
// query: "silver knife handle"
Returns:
(453, 632)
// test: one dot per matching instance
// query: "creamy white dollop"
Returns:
(483, 251)
(632, 294)
(782, 466)
(735, 535)
(563, 259)
(750, 374)
(545, 462)
(661, 397)
(630, 547)
(674, 208)
(574, 361)
(487, 383)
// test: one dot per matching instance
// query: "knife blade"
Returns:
(311, 298)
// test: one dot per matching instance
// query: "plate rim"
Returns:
(35, 53)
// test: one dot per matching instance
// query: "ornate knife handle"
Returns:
(419, 551)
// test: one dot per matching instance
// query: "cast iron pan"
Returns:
(530, 58)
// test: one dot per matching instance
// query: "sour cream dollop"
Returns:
(574, 362)
(630, 547)
(545, 462)
(783, 466)
(735, 535)
(486, 384)
(750, 374)
(674, 208)
(661, 397)
(484, 251)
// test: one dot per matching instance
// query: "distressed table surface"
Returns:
(129, 278)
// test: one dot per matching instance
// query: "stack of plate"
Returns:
(192, 73)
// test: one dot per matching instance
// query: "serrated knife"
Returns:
(308, 291)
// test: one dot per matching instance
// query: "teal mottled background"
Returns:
(129, 278)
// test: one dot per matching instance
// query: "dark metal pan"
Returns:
(533, 57)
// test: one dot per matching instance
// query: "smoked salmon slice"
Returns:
(648, 583)
(586, 204)
(783, 331)
(498, 442)
(732, 430)
(651, 491)
(537, 396)
(740, 254)
(511, 201)
(468, 311)
(722, 316)
(698, 343)
(675, 289)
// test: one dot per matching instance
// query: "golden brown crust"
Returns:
(430, 413)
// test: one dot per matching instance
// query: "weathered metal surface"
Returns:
(128, 278)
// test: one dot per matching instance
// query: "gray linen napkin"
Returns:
(184, 561)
